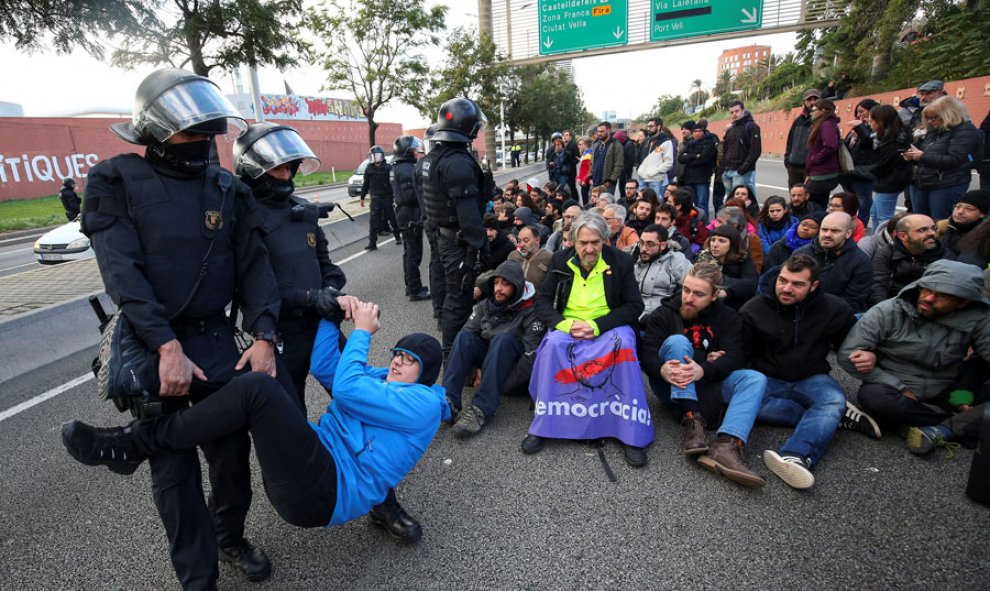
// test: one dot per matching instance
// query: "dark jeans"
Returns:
(888, 405)
(864, 192)
(382, 218)
(496, 360)
(819, 191)
(300, 475)
(459, 300)
(718, 192)
(795, 175)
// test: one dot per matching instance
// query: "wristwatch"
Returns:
(265, 336)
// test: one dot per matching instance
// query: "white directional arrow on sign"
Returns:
(750, 16)
(618, 33)
(548, 43)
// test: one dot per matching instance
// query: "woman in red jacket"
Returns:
(822, 162)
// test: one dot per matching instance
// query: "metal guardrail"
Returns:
(516, 30)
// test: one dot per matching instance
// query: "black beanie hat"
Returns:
(818, 215)
(426, 350)
(979, 199)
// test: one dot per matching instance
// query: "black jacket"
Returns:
(796, 151)
(894, 267)
(70, 203)
(846, 273)
(698, 158)
(743, 145)
(621, 290)
(890, 171)
(791, 343)
(949, 156)
(377, 181)
(717, 328)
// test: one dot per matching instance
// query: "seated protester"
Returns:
(883, 234)
(773, 223)
(734, 214)
(506, 217)
(621, 236)
(692, 353)
(844, 270)
(801, 202)
(523, 216)
(849, 203)
(688, 221)
(598, 194)
(534, 261)
(552, 215)
(800, 235)
(664, 217)
(630, 193)
(499, 249)
(641, 214)
(316, 475)
(914, 248)
(500, 337)
(586, 382)
(909, 352)
(967, 213)
(788, 330)
(527, 200)
(738, 273)
(659, 269)
(974, 248)
(749, 203)
(556, 240)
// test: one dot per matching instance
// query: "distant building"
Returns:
(11, 110)
(737, 60)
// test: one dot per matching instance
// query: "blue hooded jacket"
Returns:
(375, 430)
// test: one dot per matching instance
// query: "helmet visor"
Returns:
(275, 149)
(481, 125)
(378, 157)
(185, 105)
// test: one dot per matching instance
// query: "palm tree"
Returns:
(724, 83)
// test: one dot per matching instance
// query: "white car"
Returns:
(64, 243)
(356, 182)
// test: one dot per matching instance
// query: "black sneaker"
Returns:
(390, 516)
(398, 241)
(469, 422)
(635, 456)
(371, 247)
(249, 559)
(532, 444)
(454, 411)
(857, 420)
(93, 446)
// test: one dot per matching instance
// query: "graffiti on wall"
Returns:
(45, 168)
(283, 106)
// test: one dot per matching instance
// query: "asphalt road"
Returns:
(878, 518)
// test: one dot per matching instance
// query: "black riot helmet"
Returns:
(459, 120)
(69, 183)
(266, 145)
(171, 100)
(376, 154)
(407, 145)
(428, 138)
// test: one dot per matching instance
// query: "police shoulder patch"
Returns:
(214, 219)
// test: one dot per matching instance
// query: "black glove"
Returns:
(324, 302)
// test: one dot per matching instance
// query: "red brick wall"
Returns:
(974, 92)
(56, 148)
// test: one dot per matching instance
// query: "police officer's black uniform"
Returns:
(454, 202)
(378, 184)
(297, 247)
(152, 221)
(403, 177)
(438, 283)
(70, 200)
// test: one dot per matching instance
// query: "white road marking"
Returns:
(45, 396)
(15, 251)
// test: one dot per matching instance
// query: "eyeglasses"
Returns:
(649, 244)
(404, 357)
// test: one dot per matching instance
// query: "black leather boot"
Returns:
(391, 516)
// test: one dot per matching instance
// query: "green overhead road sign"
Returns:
(576, 25)
(673, 19)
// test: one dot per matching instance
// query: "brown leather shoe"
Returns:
(725, 458)
(693, 428)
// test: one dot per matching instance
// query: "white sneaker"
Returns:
(792, 469)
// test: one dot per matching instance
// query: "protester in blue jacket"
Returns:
(377, 427)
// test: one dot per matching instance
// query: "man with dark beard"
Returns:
(659, 270)
(692, 353)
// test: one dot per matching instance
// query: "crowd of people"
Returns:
(567, 291)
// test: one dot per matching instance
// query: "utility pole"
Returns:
(485, 28)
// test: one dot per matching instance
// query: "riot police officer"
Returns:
(377, 183)
(454, 202)
(438, 288)
(175, 237)
(407, 213)
(267, 157)
(70, 199)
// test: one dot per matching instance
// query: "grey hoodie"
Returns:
(922, 354)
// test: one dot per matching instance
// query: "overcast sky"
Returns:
(48, 84)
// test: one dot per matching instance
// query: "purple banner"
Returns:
(590, 389)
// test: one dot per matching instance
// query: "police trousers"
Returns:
(459, 299)
(382, 218)
(412, 247)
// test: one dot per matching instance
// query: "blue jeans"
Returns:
(813, 406)
(658, 186)
(496, 360)
(731, 178)
(701, 198)
(864, 190)
(742, 390)
(937, 203)
(884, 208)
